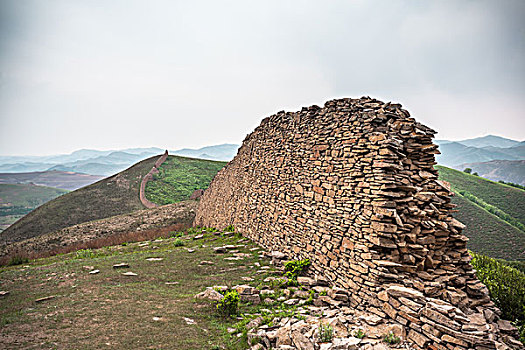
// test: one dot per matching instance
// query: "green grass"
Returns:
(16, 200)
(92, 311)
(508, 199)
(506, 286)
(488, 234)
(178, 177)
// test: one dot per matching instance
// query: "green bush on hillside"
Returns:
(293, 269)
(512, 184)
(506, 286)
(229, 304)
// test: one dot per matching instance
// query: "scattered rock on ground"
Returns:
(210, 294)
(45, 298)
(129, 273)
(121, 266)
(155, 259)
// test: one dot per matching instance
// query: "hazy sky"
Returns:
(114, 74)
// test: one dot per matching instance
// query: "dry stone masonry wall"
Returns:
(352, 187)
(148, 177)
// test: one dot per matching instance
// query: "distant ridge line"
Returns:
(149, 176)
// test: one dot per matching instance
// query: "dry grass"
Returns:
(119, 238)
(109, 310)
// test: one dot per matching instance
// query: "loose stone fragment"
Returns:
(129, 273)
(45, 299)
(121, 266)
(155, 259)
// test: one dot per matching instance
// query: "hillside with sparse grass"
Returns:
(116, 195)
(16, 200)
(510, 200)
(64, 303)
(492, 212)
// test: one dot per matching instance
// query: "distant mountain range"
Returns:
(56, 179)
(478, 153)
(485, 141)
(224, 152)
(493, 157)
(105, 163)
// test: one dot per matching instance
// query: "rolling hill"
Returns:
(58, 179)
(224, 152)
(489, 140)
(499, 170)
(488, 233)
(178, 177)
(455, 153)
(115, 195)
(16, 200)
(112, 196)
(106, 163)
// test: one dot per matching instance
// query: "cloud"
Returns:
(77, 74)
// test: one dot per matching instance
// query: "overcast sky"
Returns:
(114, 74)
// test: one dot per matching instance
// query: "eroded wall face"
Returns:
(352, 187)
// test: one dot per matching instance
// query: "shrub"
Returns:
(391, 338)
(326, 333)
(229, 228)
(295, 267)
(84, 254)
(178, 242)
(176, 234)
(467, 170)
(506, 287)
(17, 260)
(229, 304)
(512, 184)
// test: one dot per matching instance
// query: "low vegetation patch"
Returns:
(326, 333)
(391, 339)
(149, 304)
(178, 177)
(295, 268)
(506, 286)
(229, 304)
(493, 210)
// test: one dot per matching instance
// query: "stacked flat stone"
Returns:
(352, 187)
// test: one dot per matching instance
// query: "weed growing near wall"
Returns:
(506, 287)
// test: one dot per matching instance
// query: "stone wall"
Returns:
(148, 177)
(352, 187)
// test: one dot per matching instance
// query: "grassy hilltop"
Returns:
(112, 196)
(178, 177)
(494, 214)
(116, 195)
